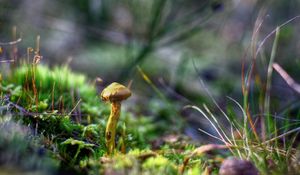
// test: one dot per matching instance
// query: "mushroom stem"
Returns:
(110, 131)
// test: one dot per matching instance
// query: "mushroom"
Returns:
(114, 93)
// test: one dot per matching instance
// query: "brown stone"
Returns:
(235, 166)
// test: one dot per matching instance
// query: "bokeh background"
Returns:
(188, 48)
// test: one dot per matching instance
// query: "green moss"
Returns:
(58, 88)
(77, 144)
(159, 165)
(76, 138)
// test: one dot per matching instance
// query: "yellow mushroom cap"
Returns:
(115, 92)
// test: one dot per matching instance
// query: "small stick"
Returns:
(287, 78)
(11, 42)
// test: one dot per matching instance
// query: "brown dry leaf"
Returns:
(209, 147)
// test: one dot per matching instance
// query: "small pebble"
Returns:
(235, 166)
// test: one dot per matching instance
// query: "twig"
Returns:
(23, 111)
(11, 42)
(75, 107)
(287, 78)
(7, 61)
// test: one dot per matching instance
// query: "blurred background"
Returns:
(176, 44)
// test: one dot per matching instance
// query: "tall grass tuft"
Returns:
(272, 150)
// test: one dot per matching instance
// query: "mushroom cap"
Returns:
(115, 92)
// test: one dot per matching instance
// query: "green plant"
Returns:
(266, 150)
